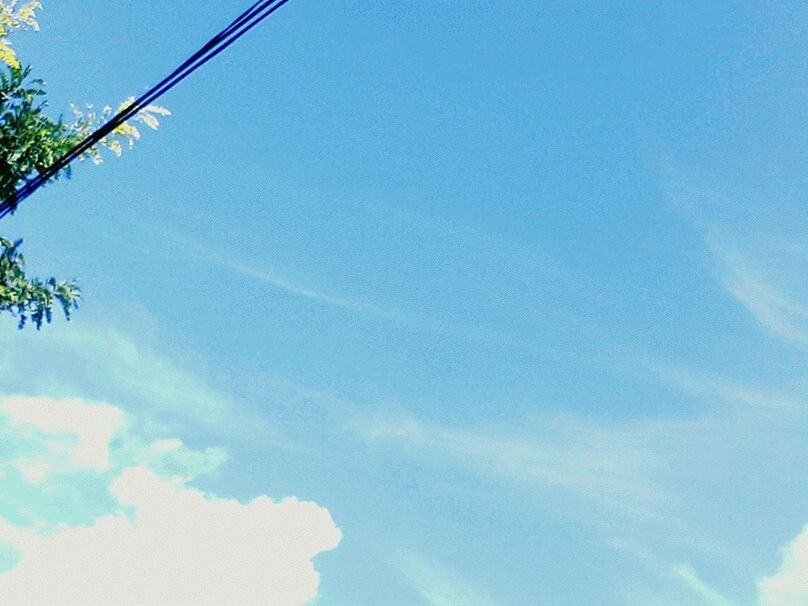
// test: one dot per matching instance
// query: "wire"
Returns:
(242, 24)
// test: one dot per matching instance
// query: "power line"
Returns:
(236, 29)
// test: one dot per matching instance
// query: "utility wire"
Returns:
(236, 29)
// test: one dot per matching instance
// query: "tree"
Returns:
(30, 142)
(31, 298)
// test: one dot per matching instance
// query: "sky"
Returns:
(424, 303)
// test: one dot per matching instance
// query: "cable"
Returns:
(242, 24)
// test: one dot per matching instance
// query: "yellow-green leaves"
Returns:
(88, 120)
(15, 16)
(147, 115)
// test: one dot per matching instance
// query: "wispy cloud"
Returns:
(763, 271)
(659, 481)
(610, 466)
(461, 330)
(709, 596)
(438, 586)
(759, 293)
(470, 332)
(279, 282)
(710, 388)
(757, 262)
(271, 278)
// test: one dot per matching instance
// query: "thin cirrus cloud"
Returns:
(646, 478)
(757, 264)
(677, 584)
(764, 274)
(439, 587)
(284, 284)
(192, 547)
(681, 583)
(710, 388)
(611, 466)
(691, 580)
(466, 331)
(769, 304)
(198, 251)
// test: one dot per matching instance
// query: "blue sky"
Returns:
(514, 293)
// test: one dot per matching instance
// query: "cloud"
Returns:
(174, 545)
(63, 436)
(136, 531)
(714, 388)
(57, 436)
(608, 465)
(169, 455)
(101, 363)
(666, 482)
(439, 587)
(757, 262)
(203, 253)
(468, 332)
(284, 284)
(688, 576)
(144, 374)
(471, 332)
(765, 275)
(771, 306)
(789, 585)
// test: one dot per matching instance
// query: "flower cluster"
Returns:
(89, 119)
(13, 17)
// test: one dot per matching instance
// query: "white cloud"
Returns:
(179, 546)
(158, 540)
(66, 435)
(789, 585)
(102, 363)
(52, 437)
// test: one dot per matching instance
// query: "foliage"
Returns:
(31, 298)
(30, 143)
